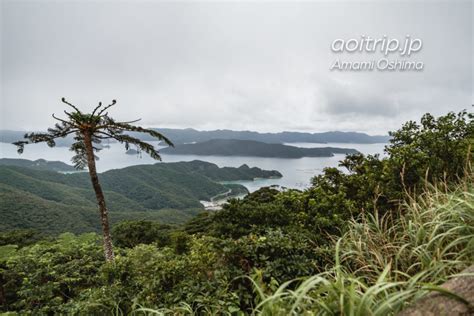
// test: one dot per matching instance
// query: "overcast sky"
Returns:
(251, 65)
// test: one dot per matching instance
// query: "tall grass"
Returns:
(384, 263)
(434, 234)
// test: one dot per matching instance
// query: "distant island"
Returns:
(190, 135)
(235, 147)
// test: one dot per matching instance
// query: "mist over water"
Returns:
(297, 173)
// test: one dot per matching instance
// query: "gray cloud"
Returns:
(356, 99)
(261, 66)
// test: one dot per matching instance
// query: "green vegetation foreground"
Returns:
(366, 242)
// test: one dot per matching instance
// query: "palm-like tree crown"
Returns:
(97, 125)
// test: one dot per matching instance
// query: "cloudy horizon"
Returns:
(261, 66)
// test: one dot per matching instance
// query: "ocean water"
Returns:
(297, 173)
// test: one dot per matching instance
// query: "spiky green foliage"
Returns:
(100, 126)
(435, 232)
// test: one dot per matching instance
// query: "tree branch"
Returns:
(71, 105)
(132, 128)
(61, 120)
(96, 108)
(108, 106)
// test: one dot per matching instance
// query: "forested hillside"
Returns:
(369, 240)
(53, 202)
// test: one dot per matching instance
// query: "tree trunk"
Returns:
(104, 217)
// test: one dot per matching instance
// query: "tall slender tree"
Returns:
(89, 130)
